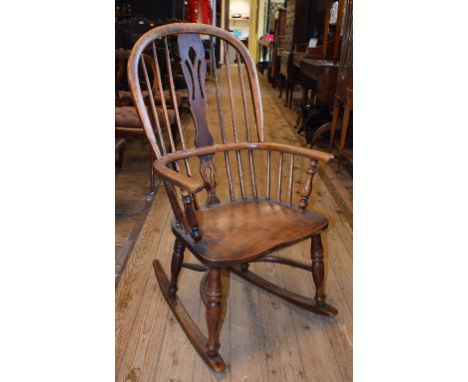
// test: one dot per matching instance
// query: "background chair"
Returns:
(120, 148)
(127, 122)
(249, 186)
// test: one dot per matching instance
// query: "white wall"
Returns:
(240, 6)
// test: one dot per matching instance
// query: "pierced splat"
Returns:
(192, 55)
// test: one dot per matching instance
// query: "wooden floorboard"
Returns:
(132, 200)
(262, 338)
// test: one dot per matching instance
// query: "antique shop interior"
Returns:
(233, 190)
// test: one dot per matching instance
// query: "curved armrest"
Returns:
(193, 186)
(301, 151)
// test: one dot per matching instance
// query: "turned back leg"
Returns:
(316, 252)
(176, 265)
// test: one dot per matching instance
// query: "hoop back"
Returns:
(188, 57)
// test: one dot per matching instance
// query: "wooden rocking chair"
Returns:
(259, 216)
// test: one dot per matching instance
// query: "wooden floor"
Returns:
(132, 200)
(262, 337)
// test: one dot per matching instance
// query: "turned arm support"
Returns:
(307, 185)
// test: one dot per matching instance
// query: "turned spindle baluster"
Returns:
(174, 200)
(307, 186)
(191, 216)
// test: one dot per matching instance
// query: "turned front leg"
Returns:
(316, 251)
(213, 310)
(176, 265)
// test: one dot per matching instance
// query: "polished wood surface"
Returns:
(324, 73)
(263, 337)
(320, 64)
(242, 223)
(344, 88)
(245, 226)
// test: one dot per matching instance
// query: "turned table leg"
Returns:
(213, 310)
(336, 111)
(344, 128)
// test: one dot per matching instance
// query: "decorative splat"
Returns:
(192, 55)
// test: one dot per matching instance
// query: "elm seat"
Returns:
(222, 227)
(127, 116)
(125, 97)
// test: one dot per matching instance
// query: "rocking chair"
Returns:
(258, 215)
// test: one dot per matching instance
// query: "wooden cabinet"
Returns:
(296, 32)
(297, 26)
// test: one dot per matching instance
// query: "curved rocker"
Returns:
(294, 298)
(192, 331)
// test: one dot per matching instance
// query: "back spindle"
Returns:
(234, 122)
(247, 124)
(214, 70)
(291, 179)
(280, 176)
(175, 104)
(268, 178)
(153, 106)
(163, 98)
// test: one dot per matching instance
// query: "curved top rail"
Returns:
(189, 28)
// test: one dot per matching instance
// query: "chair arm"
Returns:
(269, 146)
(301, 151)
(191, 185)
